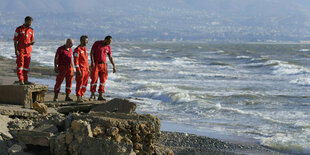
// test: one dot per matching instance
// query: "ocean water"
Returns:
(259, 91)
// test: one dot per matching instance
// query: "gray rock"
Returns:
(116, 105)
(3, 147)
(46, 128)
(15, 148)
(162, 150)
(58, 145)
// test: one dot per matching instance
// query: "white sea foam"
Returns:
(304, 50)
(294, 143)
(284, 68)
(243, 57)
(303, 81)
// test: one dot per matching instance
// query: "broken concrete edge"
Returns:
(116, 105)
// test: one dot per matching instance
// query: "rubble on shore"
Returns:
(81, 128)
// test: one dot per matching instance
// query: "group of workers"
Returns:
(23, 41)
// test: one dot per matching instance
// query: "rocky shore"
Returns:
(95, 127)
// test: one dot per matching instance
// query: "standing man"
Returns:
(63, 66)
(82, 68)
(99, 51)
(23, 39)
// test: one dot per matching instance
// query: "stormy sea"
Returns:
(231, 91)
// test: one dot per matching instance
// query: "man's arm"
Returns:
(92, 58)
(16, 37)
(55, 65)
(76, 62)
(112, 62)
(15, 46)
(32, 38)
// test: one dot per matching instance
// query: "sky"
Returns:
(162, 20)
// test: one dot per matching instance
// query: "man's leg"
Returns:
(93, 83)
(79, 82)
(84, 82)
(103, 77)
(20, 68)
(59, 78)
(69, 79)
(27, 60)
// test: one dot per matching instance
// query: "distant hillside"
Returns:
(220, 20)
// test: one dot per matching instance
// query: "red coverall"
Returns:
(64, 63)
(100, 68)
(24, 36)
(81, 64)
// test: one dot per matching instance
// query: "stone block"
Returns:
(34, 137)
(22, 94)
(40, 107)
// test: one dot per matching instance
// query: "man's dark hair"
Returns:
(107, 38)
(28, 18)
(83, 37)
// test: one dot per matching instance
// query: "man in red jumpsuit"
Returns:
(23, 39)
(63, 66)
(82, 68)
(99, 51)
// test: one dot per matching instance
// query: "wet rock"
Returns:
(116, 105)
(40, 107)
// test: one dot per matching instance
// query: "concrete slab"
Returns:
(22, 94)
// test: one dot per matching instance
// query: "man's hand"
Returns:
(114, 69)
(17, 53)
(78, 73)
(32, 43)
(56, 69)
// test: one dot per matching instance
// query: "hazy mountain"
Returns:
(228, 20)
